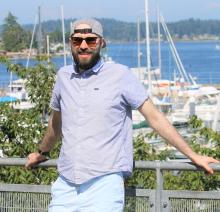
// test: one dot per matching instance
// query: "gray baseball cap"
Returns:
(95, 26)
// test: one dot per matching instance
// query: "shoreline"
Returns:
(24, 54)
(21, 55)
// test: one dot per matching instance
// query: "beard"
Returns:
(83, 64)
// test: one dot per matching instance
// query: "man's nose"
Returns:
(84, 45)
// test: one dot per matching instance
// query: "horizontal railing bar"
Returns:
(25, 188)
(147, 165)
(168, 165)
(22, 162)
(129, 191)
(192, 194)
(139, 192)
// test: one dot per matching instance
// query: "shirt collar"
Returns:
(94, 69)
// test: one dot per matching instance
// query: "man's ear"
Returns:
(103, 43)
(70, 41)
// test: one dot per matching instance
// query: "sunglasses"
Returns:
(91, 41)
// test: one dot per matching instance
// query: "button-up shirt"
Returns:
(96, 112)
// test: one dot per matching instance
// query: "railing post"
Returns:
(159, 188)
(165, 202)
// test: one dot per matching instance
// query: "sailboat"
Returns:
(17, 88)
(141, 72)
(150, 76)
(177, 98)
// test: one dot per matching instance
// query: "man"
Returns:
(91, 109)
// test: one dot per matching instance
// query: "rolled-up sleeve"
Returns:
(55, 98)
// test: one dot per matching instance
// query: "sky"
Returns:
(124, 10)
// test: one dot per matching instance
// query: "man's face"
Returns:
(85, 49)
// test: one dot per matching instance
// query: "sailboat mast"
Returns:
(39, 31)
(63, 32)
(158, 32)
(174, 51)
(148, 46)
(138, 48)
(32, 40)
(48, 48)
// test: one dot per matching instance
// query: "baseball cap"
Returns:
(95, 26)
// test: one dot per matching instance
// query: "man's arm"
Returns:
(160, 124)
(49, 140)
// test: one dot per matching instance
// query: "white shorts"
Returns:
(101, 194)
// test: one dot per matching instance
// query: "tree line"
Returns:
(16, 37)
(115, 30)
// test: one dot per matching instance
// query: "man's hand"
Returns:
(203, 161)
(49, 140)
(34, 158)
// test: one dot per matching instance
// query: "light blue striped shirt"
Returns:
(96, 120)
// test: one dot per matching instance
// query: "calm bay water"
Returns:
(200, 59)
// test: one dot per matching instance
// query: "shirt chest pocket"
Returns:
(100, 101)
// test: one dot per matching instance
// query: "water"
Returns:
(200, 59)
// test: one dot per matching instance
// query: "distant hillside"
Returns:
(115, 30)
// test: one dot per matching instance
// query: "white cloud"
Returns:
(214, 5)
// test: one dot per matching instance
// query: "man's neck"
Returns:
(80, 70)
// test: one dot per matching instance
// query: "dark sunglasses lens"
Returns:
(91, 41)
(76, 41)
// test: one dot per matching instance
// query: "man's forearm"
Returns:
(53, 133)
(170, 134)
(47, 143)
(160, 124)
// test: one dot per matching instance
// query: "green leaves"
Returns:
(203, 140)
(145, 151)
(40, 81)
(20, 131)
(13, 35)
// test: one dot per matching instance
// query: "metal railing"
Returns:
(29, 198)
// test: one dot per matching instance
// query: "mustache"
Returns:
(84, 51)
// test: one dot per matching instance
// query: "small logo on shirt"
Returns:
(96, 89)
